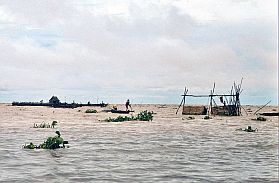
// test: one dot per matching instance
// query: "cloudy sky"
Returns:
(145, 50)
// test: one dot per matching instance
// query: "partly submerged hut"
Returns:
(230, 103)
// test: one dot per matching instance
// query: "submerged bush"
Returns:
(142, 116)
(91, 111)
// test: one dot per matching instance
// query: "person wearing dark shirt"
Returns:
(128, 105)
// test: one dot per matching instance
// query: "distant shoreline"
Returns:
(259, 105)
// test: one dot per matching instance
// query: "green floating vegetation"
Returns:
(120, 119)
(91, 111)
(145, 116)
(51, 143)
(45, 125)
(142, 116)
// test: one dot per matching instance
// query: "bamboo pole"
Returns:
(262, 107)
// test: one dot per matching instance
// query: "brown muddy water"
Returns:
(168, 149)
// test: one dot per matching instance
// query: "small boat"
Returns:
(270, 114)
(120, 112)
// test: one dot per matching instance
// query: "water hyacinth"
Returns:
(142, 116)
(145, 116)
(91, 111)
(51, 143)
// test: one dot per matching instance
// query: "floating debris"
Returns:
(260, 118)
(248, 129)
(190, 117)
(162, 106)
(45, 125)
(207, 117)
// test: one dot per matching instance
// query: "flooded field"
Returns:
(171, 148)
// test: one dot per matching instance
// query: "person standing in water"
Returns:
(128, 105)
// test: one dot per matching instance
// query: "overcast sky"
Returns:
(145, 50)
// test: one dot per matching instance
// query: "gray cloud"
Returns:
(77, 49)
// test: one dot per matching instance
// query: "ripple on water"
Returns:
(167, 149)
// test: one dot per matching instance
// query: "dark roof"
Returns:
(54, 100)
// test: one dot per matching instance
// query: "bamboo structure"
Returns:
(230, 103)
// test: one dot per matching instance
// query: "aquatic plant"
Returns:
(45, 125)
(145, 116)
(120, 119)
(91, 111)
(142, 116)
(51, 143)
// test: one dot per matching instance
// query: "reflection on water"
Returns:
(167, 149)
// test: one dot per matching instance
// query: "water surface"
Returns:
(168, 149)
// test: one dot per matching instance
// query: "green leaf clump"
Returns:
(142, 116)
(145, 116)
(51, 143)
(91, 111)
(120, 119)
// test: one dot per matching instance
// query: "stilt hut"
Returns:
(230, 103)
